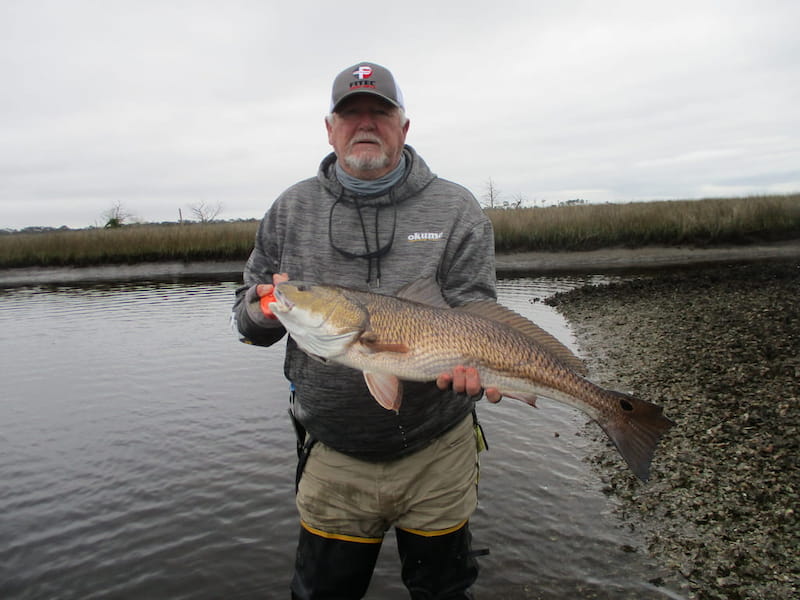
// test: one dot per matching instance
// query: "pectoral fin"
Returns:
(386, 389)
(370, 343)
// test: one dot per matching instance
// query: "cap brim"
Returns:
(365, 92)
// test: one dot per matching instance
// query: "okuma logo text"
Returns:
(427, 236)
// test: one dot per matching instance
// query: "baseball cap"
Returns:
(366, 78)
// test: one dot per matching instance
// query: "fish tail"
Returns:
(635, 430)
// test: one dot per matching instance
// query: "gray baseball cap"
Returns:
(366, 78)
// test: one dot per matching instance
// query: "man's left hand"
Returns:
(466, 380)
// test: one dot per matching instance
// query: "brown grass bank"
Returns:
(685, 222)
(697, 223)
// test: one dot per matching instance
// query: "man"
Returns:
(376, 218)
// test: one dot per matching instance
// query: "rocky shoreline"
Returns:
(719, 349)
(605, 260)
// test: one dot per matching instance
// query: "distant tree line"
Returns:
(492, 197)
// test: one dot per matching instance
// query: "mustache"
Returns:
(366, 138)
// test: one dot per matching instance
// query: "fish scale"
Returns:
(439, 339)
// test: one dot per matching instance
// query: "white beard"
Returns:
(367, 163)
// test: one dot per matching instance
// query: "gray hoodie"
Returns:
(317, 231)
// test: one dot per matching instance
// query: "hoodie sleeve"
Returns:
(253, 331)
(469, 270)
(263, 262)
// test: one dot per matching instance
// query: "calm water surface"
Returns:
(146, 453)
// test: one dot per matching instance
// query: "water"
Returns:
(146, 453)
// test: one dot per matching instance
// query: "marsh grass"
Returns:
(129, 244)
(681, 222)
(581, 227)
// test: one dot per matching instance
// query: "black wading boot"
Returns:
(332, 569)
(440, 567)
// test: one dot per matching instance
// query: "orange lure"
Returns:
(265, 300)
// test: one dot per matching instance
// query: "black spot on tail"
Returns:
(636, 431)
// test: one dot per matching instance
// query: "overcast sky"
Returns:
(160, 105)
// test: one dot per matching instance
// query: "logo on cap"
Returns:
(363, 72)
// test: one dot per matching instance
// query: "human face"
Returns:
(367, 134)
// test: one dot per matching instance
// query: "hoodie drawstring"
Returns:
(368, 254)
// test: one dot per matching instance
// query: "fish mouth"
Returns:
(282, 303)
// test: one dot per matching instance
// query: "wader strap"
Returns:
(299, 430)
(302, 460)
(480, 437)
(304, 443)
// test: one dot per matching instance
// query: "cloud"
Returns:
(160, 105)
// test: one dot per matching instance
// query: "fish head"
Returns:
(322, 319)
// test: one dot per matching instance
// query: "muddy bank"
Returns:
(152, 271)
(719, 349)
(654, 257)
(508, 264)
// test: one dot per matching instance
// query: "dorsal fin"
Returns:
(424, 290)
(497, 312)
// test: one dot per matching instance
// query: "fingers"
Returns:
(472, 381)
(264, 289)
(493, 395)
(467, 380)
(457, 380)
(444, 381)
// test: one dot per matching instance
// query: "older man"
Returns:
(375, 217)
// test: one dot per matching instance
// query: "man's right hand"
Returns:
(252, 300)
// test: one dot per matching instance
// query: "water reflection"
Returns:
(147, 454)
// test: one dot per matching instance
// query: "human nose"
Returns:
(365, 121)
